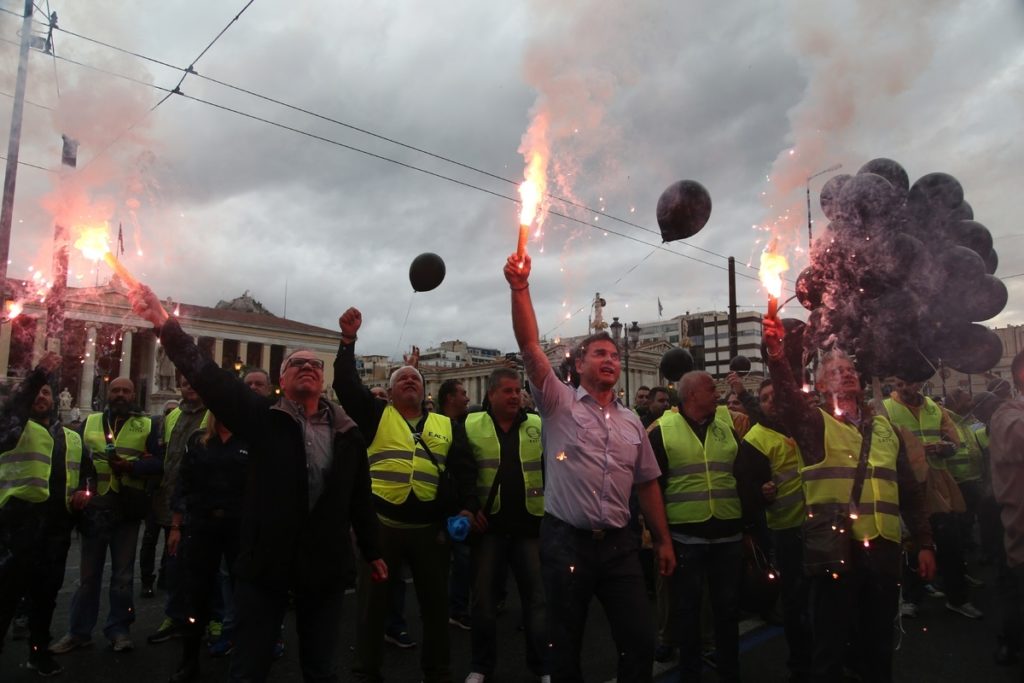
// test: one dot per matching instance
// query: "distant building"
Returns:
(454, 354)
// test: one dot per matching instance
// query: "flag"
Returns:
(120, 239)
(660, 309)
(69, 151)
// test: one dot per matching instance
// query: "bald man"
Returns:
(127, 452)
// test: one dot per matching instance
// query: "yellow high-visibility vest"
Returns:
(965, 465)
(483, 438)
(787, 510)
(25, 469)
(398, 464)
(828, 485)
(130, 444)
(700, 480)
(927, 426)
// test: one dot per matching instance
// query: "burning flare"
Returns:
(93, 244)
(534, 148)
(773, 265)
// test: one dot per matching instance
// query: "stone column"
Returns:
(39, 341)
(88, 369)
(243, 352)
(126, 353)
(264, 357)
(218, 350)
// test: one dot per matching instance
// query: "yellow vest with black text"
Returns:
(965, 465)
(398, 464)
(787, 510)
(129, 444)
(483, 438)
(700, 480)
(927, 426)
(25, 469)
(828, 485)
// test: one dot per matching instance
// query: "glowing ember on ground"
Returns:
(773, 265)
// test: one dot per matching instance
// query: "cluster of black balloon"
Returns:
(902, 275)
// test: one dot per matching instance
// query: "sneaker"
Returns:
(222, 647)
(664, 653)
(908, 609)
(462, 622)
(44, 664)
(68, 643)
(278, 650)
(168, 629)
(546, 678)
(932, 591)
(475, 677)
(122, 643)
(966, 609)
(710, 659)
(973, 582)
(401, 639)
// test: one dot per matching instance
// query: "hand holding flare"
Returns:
(93, 244)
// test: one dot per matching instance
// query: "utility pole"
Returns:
(734, 344)
(14, 147)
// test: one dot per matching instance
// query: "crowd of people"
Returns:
(848, 503)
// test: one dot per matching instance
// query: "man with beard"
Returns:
(127, 452)
(858, 600)
(454, 403)
(43, 473)
(595, 452)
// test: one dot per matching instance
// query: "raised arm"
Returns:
(16, 410)
(524, 320)
(354, 397)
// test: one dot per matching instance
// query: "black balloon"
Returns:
(972, 235)
(991, 261)
(890, 170)
(973, 349)
(830, 193)
(866, 197)
(426, 272)
(683, 209)
(961, 264)
(740, 364)
(809, 288)
(675, 363)
(963, 212)
(939, 189)
(984, 300)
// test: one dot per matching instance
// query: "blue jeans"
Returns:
(494, 552)
(458, 581)
(721, 565)
(107, 530)
(578, 566)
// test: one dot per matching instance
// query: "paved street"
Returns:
(937, 646)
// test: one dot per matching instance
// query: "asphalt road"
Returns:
(937, 646)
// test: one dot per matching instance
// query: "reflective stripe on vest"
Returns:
(965, 464)
(25, 469)
(398, 464)
(700, 480)
(828, 484)
(927, 426)
(130, 444)
(787, 510)
(483, 438)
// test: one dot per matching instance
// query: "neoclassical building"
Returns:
(102, 339)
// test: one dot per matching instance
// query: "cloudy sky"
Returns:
(639, 95)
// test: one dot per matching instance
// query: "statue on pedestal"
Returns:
(164, 371)
(64, 400)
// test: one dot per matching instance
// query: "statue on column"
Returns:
(64, 401)
(164, 370)
(597, 323)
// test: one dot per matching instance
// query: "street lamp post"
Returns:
(631, 341)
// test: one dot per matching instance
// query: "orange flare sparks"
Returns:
(93, 245)
(534, 148)
(773, 265)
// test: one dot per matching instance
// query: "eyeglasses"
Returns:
(299, 363)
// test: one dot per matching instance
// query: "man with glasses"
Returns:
(308, 483)
(409, 449)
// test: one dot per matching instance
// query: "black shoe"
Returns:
(168, 629)
(44, 664)
(187, 672)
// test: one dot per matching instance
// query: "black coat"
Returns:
(283, 542)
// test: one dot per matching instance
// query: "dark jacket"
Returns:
(284, 543)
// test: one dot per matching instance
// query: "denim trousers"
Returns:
(579, 565)
(788, 553)
(491, 553)
(720, 565)
(120, 536)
